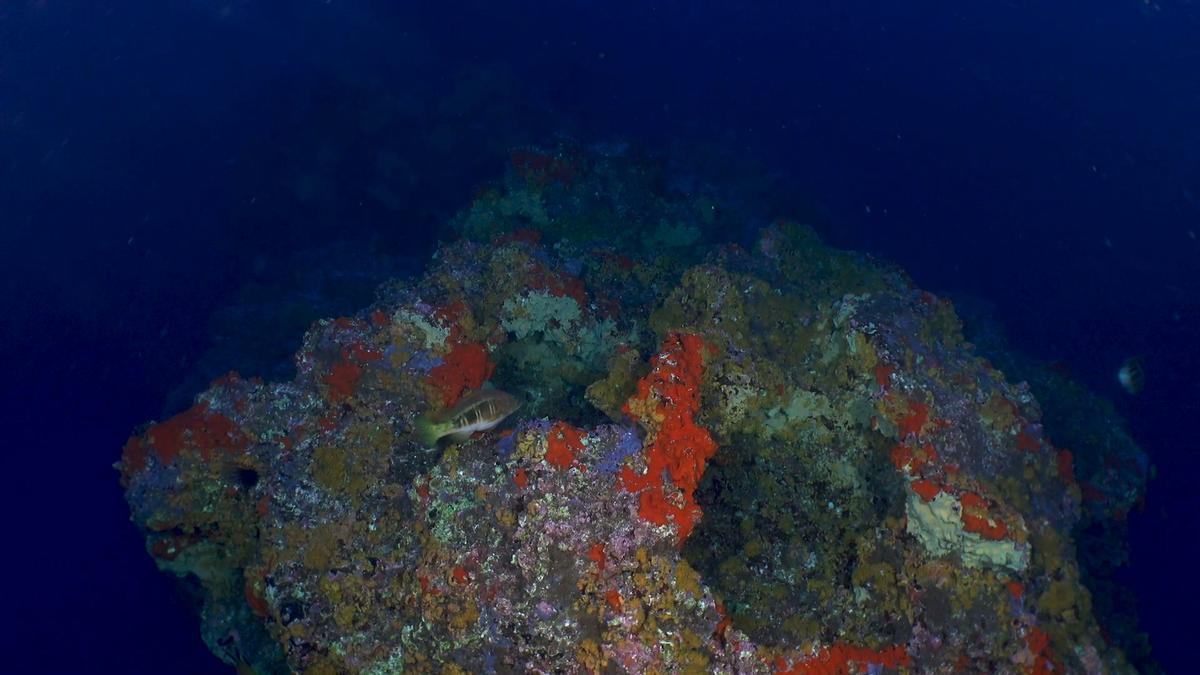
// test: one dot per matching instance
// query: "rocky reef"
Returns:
(765, 456)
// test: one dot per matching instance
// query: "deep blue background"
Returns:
(1044, 156)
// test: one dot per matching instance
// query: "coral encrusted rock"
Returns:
(766, 457)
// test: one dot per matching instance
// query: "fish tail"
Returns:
(428, 431)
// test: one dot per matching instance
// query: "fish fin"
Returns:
(459, 436)
(428, 431)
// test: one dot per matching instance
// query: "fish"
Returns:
(480, 410)
(1132, 375)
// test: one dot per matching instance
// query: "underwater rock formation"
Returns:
(785, 459)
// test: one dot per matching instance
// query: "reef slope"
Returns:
(769, 458)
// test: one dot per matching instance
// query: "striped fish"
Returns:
(478, 411)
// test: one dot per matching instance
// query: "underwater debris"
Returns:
(1132, 375)
(728, 462)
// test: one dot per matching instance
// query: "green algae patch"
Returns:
(609, 394)
(802, 409)
(554, 318)
(938, 525)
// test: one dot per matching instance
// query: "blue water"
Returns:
(1042, 156)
